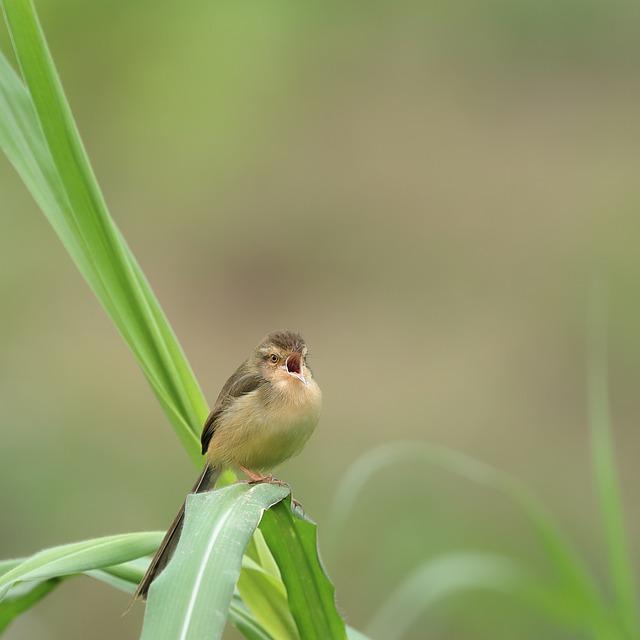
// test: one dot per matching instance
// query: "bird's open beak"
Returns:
(293, 367)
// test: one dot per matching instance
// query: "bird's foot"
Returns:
(256, 478)
(280, 483)
(268, 480)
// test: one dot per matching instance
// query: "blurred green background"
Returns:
(424, 189)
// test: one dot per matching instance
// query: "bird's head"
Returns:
(282, 358)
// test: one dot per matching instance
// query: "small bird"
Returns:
(264, 414)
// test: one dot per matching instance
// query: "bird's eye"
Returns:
(274, 358)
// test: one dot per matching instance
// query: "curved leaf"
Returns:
(584, 605)
(437, 579)
(40, 137)
(266, 597)
(78, 557)
(604, 467)
(292, 540)
(190, 599)
(23, 597)
(126, 577)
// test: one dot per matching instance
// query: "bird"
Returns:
(264, 414)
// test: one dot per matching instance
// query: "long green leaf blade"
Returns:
(127, 576)
(437, 579)
(190, 599)
(604, 467)
(124, 576)
(293, 543)
(582, 600)
(266, 597)
(39, 136)
(63, 183)
(22, 598)
(78, 557)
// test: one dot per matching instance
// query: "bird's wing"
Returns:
(243, 381)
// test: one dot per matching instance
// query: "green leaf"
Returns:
(293, 542)
(245, 623)
(266, 597)
(126, 577)
(191, 597)
(23, 597)
(39, 136)
(354, 634)
(79, 556)
(258, 550)
(437, 579)
(582, 602)
(7, 565)
(604, 467)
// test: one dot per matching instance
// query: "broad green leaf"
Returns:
(39, 136)
(190, 599)
(604, 467)
(293, 542)
(126, 577)
(78, 557)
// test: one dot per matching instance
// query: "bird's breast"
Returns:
(265, 427)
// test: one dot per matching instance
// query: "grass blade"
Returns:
(583, 603)
(22, 598)
(437, 579)
(604, 466)
(78, 557)
(44, 145)
(190, 599)
(126, 577)
(266, 597)
(242, 619)
(40, 138)
(293, 543)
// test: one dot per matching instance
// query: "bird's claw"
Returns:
(267, 480)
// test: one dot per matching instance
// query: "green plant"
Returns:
(270, 591)
(39, 136)
(568, 596)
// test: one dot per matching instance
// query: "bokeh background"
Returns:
(423, 188)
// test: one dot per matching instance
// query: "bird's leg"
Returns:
(256, 478)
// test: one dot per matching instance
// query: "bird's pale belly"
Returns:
(272, 444)
(262, 438)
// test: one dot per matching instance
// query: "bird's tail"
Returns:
(205, 481)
